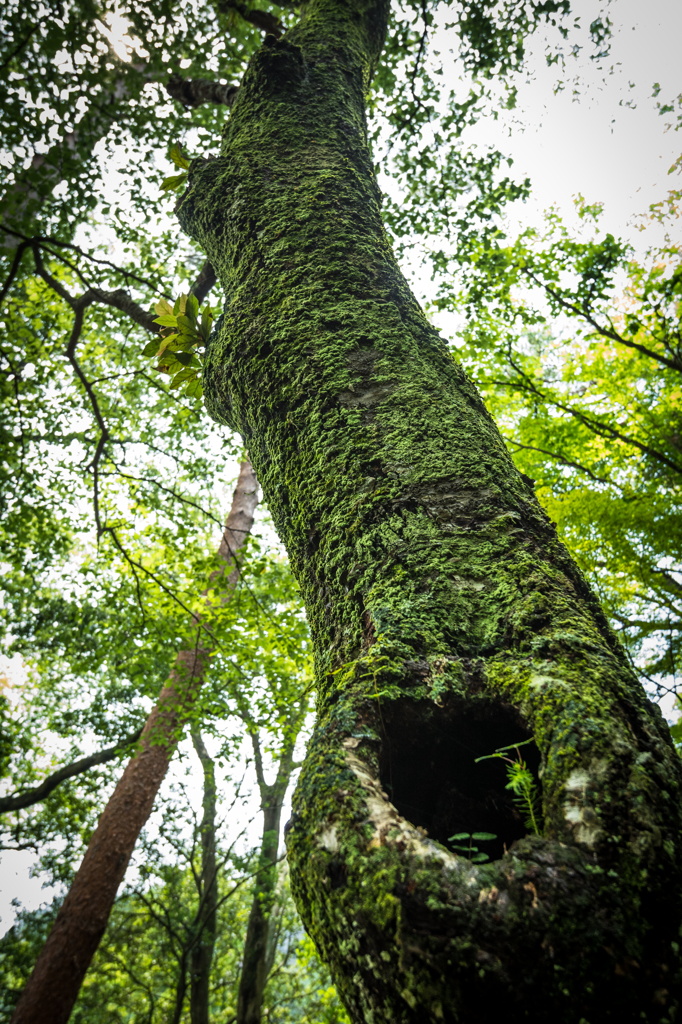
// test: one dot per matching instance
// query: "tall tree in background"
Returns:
(261, 680)
(81, 921)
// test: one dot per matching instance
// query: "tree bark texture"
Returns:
(202, 952)
(448, 620)
(256, 962)
(53, 987)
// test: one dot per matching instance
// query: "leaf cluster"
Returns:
(183, 332)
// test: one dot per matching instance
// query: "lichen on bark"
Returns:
(447, 617)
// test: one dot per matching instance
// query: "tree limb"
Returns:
(595, 425)
(260, 19)
(583, 312)
(204, 282)
(27, 798)
(45, 240)
(194, 92)
(564, 461)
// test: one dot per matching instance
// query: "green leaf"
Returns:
(186, 358)
(194, 389)
(192, 307)
(460, 835)
(166, 342)
(173, 183)
(166, 320)
(163, 306)
(206, 322)
(178, 158)
(479, 858)
(151, 348)
(187, 373)
(483, 837)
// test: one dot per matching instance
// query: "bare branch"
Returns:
(48, 240)
(561, 459)
(583, 312)
(13, 269)
(258, 762)
(120, 299)
(166, 490)
(593, 424)
(27, 798)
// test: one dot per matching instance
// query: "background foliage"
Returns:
(114, 485)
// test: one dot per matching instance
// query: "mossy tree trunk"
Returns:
(447, 618)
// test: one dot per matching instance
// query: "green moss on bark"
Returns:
(431, 576)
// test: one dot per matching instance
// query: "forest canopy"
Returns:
(118, 571)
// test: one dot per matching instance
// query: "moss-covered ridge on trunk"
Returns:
(433, 582)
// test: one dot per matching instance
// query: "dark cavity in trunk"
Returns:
(428, 768)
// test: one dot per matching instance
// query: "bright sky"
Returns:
(616, 154)
(593, 143)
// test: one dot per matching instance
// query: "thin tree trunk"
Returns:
(447, 618)
(180, 990)
(254, 974)
(53, 987)
(202, 952)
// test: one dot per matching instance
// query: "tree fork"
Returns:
(53, 987)
(447, 618)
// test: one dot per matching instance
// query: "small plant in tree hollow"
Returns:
(472, 852)
(522, 784)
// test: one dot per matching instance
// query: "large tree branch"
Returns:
(592, 424)
(119, 298)
(260, 19)
(47, 240)
(26, 798)
(195, 92)
(562, 460)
